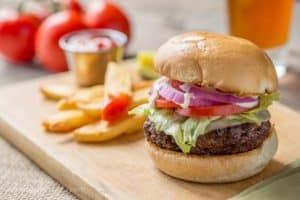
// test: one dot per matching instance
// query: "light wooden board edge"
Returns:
(53, 167)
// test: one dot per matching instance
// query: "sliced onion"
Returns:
(172, 94)
(213, 95)
(155, 88)
(190, 95)
(251, 104)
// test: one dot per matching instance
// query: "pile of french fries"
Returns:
(79, 109)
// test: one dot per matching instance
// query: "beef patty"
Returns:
(230, 140)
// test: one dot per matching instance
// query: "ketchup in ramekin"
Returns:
(89, 51)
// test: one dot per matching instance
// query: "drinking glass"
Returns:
(264, 22)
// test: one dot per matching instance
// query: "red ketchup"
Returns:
(91, 43)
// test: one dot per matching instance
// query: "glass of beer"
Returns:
(264, 22)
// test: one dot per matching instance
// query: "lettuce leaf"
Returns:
(257, 117)
(186, 131)
(143, 109)
(266, 100)
(165, 120)
(193, 128)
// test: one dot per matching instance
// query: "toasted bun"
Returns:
(224, 62)
(216, 168)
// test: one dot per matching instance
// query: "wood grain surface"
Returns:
(119, 169)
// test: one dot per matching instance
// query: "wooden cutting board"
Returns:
(119, 169)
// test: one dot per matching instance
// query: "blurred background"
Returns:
(155, 21)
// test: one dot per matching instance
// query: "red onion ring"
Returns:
(190, 95)
(221, 97)
(171, 94)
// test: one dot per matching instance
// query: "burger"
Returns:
(207, 115)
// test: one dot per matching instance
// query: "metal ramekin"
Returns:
(90, 66)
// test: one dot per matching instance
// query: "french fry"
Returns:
(57, 91)
(141, 85)
(66, 121)
(88, 94)
(67, 104)
(80, 108)
(101, 131)
(85, 95)
(93, 108)
(70, 97)
(139, 97)
(117, 81)
(79, 97)
(139, 120)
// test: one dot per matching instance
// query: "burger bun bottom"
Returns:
(214, 168)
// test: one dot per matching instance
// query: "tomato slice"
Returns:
(218, 110)
(115, 107)
(161, 103)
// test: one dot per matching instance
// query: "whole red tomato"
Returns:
(17, 32)
(69, 4)
(48, 51)
(105, 14)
